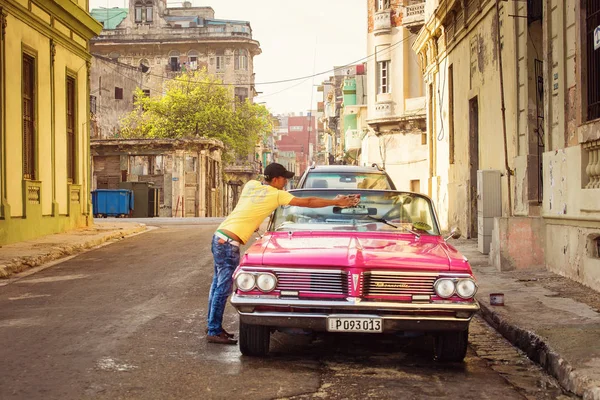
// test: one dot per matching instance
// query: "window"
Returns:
(118, 93)
(193, 60)
(146, 92)
(149, 12)
(451, 112)
(241, 60)
(145, 65)
(29, 100)
(174, 60)
(382, 4)
(241, 94)
(383, 76)
(71, 139)
(139, 11)
(220, 60)
(593, 60)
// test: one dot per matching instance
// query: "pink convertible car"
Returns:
(380, 267)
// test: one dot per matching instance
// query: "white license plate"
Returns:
(351, 324)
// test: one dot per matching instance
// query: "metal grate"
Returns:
(28, 96)
(333, 282)
(395, 284)
(593, 60)
(71, 155)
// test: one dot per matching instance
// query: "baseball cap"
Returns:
(275, 170)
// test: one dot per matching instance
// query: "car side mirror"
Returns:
(454, 234)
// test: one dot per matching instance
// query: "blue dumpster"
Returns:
(112, 203)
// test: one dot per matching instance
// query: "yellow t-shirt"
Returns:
(256, 203)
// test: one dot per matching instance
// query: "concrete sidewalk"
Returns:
(18, 257)
(553, 319)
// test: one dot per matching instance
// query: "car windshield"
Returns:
(378, 211)
(346, 180)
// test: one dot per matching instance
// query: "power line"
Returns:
(269, 82)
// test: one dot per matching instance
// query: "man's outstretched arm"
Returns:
(318, 202)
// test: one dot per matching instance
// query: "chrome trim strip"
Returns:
(271, 314)
(284, 269)
(351, 303)
(416, 274)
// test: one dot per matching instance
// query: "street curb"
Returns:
(539, 351)
(22, 264)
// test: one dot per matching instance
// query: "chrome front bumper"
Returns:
(313, 314)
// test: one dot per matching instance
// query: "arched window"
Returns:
(220, 59)
(139, 12)
(241, 60)
(149, 11)
(193, 60)
(174, 60)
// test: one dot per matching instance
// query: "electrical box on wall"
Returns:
(489, 206)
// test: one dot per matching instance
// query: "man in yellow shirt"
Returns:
(256, 203)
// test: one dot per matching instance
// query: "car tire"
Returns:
(451, 346)
(254, 340)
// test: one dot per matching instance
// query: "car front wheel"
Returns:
(451, 346)
(254, 339)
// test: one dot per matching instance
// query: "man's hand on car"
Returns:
(348, 201)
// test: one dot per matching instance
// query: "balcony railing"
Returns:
(414, 15)
(382, 22)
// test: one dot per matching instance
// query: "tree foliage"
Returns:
(197, 104)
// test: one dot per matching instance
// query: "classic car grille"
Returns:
(390, 284)
(313, 281)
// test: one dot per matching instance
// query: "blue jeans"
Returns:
(227, 258)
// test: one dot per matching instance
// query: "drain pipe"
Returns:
(509, 172)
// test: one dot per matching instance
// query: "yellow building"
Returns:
(44, 112)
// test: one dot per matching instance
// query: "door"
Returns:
(473, 166)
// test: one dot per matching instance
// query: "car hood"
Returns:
(356, 250)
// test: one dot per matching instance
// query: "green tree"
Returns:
(197, 104)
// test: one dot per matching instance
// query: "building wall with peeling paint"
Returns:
(464, 44)
(571, 164)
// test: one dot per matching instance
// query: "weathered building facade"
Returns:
(397, 136)
(516, 94)
(186, 172)
(571, 132)
(148, 44)
(44, 113)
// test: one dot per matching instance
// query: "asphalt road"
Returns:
(126, 321)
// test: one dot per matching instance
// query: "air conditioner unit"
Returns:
(489, 206)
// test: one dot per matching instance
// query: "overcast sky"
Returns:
(297, 38)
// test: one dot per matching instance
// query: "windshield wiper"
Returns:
(417, 234)
(382, 221)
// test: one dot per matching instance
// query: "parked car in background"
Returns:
(380, 267)
(345, 177)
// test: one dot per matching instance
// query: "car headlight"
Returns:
(466, 288)
(444, 288)
(245, 281)
(266, 282)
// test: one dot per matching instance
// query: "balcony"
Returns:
(352, 140)
(382, 23)
(414, 16)
(384, 110)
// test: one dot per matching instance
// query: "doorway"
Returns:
(473, 165)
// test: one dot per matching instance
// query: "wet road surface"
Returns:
(126, 321)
